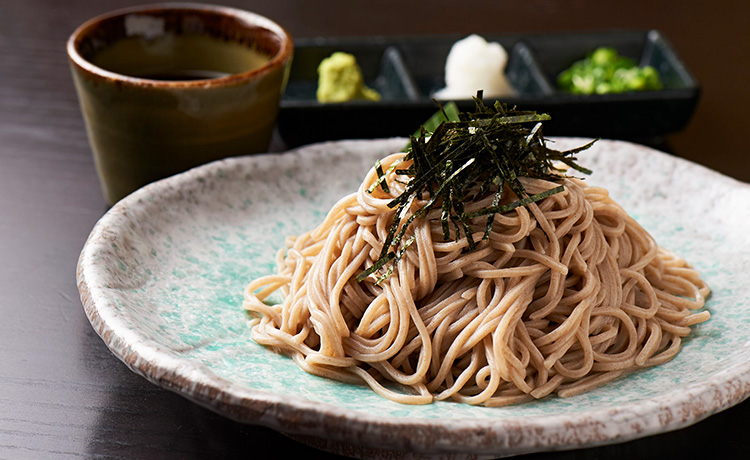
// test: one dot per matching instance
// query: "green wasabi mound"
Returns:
(340, 80)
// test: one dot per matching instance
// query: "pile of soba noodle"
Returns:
(566, 294)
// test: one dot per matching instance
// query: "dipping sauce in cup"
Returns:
(167, 87)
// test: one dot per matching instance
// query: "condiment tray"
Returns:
(407, 70)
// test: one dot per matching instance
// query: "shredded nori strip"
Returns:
(470, 155)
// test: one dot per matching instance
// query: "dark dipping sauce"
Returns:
(174, 57)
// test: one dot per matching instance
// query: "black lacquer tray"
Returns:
(407, 70)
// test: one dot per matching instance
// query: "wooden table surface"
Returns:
(64, 395)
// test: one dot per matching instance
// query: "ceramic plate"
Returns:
(162, 276)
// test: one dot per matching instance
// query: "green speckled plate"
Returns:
(162, 274)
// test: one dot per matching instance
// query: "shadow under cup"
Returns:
(166, 88)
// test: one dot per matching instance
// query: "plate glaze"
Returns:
(162, 274)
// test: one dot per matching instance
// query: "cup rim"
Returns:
(254, 19)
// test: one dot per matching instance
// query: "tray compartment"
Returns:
(425, 61)
(555, 53)
(382, 68)
(641, 116)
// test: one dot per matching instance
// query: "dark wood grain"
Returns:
(63, 395)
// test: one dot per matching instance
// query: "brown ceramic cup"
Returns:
(167, 87)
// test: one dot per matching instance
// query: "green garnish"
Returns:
(469, 155)
(447, 112)
(340, 80)
(604, 71)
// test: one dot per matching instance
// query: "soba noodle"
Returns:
(566, 294)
